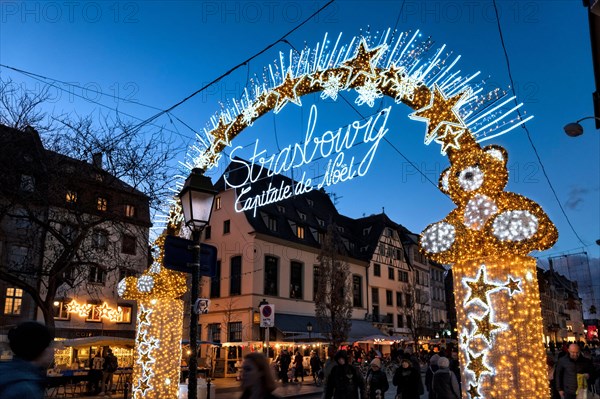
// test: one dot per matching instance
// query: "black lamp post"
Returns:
(197, 197)
(309, 328)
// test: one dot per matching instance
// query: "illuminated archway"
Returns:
(486, 238)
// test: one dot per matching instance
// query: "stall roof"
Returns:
(295, 324)
(98, 341)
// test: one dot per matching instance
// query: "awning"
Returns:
(295, 324)
(187, 342)
(99, 341)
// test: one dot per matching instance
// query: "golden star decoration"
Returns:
(145, 358)
(391, 75)
(440, 111)
(513, 286)
(144, 316)
(477, 366)
(450, 138)
(104, 310)
(144, 386)
(220, 133)
(479, 287)
(484, 326)
(361, 65)
(286, 92)
(465, 339)
(473, 391)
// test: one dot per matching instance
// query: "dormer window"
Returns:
(340, 229)
(129, 211)
(321, 222)
(302, 216)
(366, 231)
(102, 204)
(310, 202)
(300, 232)
(27, 183)
(71, 197)
(281, 208)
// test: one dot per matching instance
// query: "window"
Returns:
(357, 291)
(320, 237)
(13, 300)
(226, 226)
(389, 299)
(125, 316)
(214, 332)
(207, 233)
(302, 216)
(218, 203)
(341, 229)
(235, 280)
(235, 331)
(281, 208)
(316, 275)
(376, 313)
(402, 276)
(125, 272)
(27, 183)
(310, 202)
(129, 211)
(100, 239)
(102, 204)
(95, 314)
(408, 301)
(96, 275)
(21, 218)
(71, 197)
(271, 275)
(296, 288)
(321, 222)
(272, 223)
(399, 254)
(391, 274)
(366, 231)
(215, 283)
(408, 321)
(377, 269)
(128, 245)
(300, 232)
(60, 311)
(375, 295)
(399, 299)
(400, 321)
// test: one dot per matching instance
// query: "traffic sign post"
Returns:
(267, 320)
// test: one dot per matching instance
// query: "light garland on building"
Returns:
(103, 311)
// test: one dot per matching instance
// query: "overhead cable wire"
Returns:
(524, 127)
(217, 79)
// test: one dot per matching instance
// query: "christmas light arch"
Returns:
(486, 238)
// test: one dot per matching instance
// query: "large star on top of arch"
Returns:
(485, 327)
(479, 287)
(362, 64)
(220, 133)
(286, 92)
(440, 111)
(391, 75)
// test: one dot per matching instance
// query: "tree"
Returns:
(77, 224)
(333, 301)
(418, 308)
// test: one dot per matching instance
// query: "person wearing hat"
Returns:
(444, 384)
(433, 367)
(24, 376)
(377, 383)
(344, 382)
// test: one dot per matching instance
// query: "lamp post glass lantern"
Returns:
(309, 328)
(197, 197)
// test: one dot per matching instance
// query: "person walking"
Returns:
(284, 364)
(96, 373)
(433, 367)
(109, 367)
(24, 376)
(377, 382)
(572, 373)
(315, 366)
(257, 377)
(298, 366)
(344, 381)
(444, 384)
(408, 380)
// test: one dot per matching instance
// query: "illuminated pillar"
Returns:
(500, 328)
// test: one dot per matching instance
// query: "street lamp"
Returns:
(309, 328)
(197, 197)
(574, 129)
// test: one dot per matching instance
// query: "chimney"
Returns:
(97, 160)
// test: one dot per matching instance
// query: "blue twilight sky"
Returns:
(158, 52)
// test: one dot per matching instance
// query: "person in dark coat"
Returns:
(444, 384)
(298, 366)
(567, 369)
(433, 367)
(344, 382)
(377, 382)
(315, 365)
(284, 365)
(408, 380)
(24, 377)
